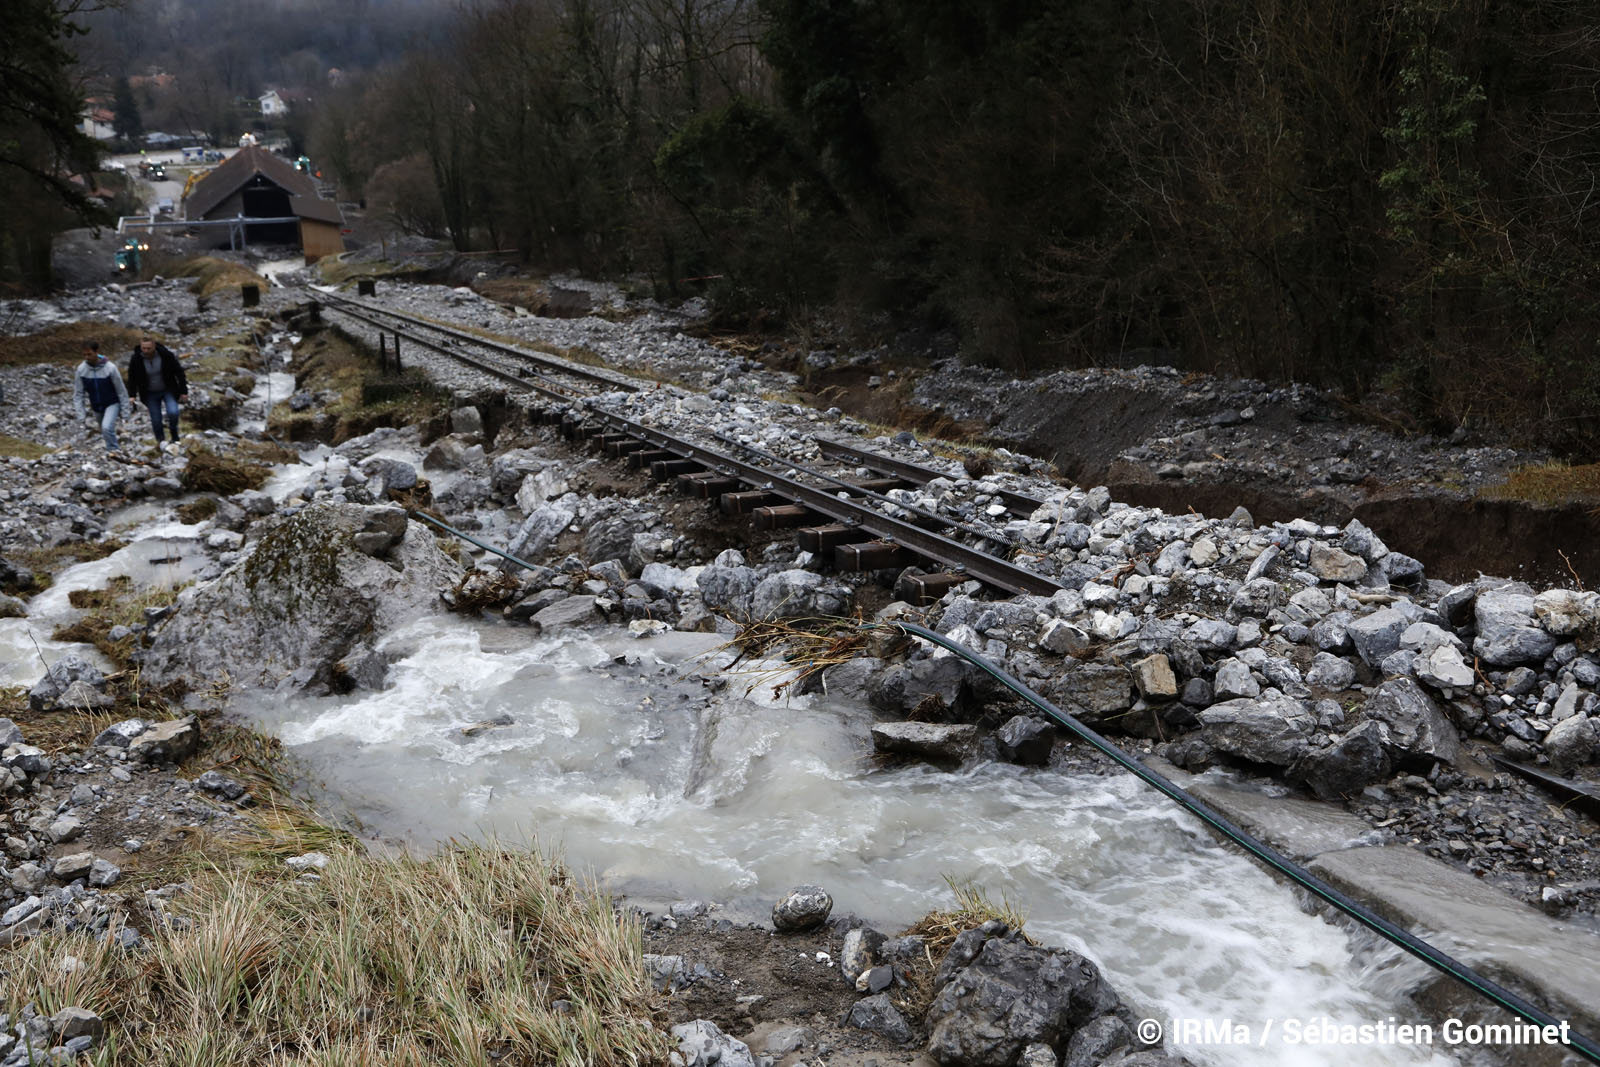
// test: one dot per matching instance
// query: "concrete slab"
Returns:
(1297, 827)
(1554, 964)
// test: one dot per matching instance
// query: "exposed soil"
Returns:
(756, 983)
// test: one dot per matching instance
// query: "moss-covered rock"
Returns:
(318, 588)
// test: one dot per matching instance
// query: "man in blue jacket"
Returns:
(157, 378)
(98, 384)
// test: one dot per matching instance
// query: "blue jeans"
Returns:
(108, 426)
(155, 403)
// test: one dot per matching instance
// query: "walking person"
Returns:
(98, 384)
(157, 378)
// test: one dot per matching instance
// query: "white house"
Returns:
(272, 103)
(97, 123)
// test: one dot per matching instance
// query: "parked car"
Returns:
(165, 206)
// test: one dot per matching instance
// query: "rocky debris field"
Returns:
(1312, 656)
(795, 993)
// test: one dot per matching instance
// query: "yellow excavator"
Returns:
(194, 179)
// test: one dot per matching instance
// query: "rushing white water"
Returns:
(165, 554)
(667, 789)
(272, 270)
(271, 388)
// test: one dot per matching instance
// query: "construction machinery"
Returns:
(130, 257)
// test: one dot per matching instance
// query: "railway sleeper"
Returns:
(783, 516)
(747, 502)
(872, 556)
(626, 446)
(922, 589)
(662, 469)
(642, 459)
(707, 484)
(820, 539)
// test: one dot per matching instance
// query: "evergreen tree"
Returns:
(125, 120)
(41, 145)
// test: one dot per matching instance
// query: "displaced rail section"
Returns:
(541, 372)
(853, 524)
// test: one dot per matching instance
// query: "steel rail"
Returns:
(980, 565)
(1020, 504)
(856, 490)
(613, 379)
(550, 390)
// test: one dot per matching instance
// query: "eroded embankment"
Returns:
(1180, 442)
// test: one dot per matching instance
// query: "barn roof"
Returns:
(233, 173)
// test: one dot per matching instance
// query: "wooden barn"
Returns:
(256, 184)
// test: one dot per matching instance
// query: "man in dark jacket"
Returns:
(157, 378)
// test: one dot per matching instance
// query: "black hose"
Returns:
(1419, 948)
(430, 520)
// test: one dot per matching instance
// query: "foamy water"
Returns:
(667, 789)
(164, 555)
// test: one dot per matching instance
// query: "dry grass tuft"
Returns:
(939, 930)
(196, 510)
(212, 275)
(1549, 484)
(45, 562)
(805, 646)
(212, 472)
(478, 955)
(117, 604)
(64, 344)
(19, 448)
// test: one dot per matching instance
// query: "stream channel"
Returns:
(667, 777)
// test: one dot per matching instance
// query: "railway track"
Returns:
(852, 523)
(552, 376)
(1020, 504)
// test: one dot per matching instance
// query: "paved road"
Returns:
(152, 193)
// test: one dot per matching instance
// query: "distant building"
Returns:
(151, 81)
(98, 122)
(272, 104)
(256, 184)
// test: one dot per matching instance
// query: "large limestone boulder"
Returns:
(1272, 730)
(1416, 730)
(318, 587)
(1508, 633)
